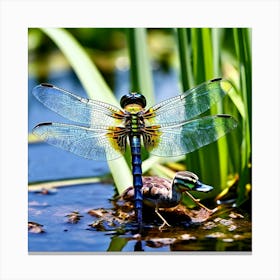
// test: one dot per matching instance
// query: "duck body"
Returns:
(164, 193)
(156, 191)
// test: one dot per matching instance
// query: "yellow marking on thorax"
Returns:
(153, 134)
(149, 117)
(118, 118)
(114, 137)
(133, 108)
(150, 113)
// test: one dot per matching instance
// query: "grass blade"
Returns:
(140, 70)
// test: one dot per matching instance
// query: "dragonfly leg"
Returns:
(200, 204)
(164, 221)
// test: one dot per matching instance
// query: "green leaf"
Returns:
(117, 244)
(140, 69)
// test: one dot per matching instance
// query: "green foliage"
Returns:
(140, 70)
(204, 54)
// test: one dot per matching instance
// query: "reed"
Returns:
(203, 54)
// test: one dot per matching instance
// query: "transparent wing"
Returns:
(187, 137)
(86, 111)
(96, 144)
(188, 105)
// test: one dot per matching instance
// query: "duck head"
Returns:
(188, 181)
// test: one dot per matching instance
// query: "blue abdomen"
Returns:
(135, 145)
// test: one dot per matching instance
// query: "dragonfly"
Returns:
(102, 131)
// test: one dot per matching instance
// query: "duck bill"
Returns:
(200, 187)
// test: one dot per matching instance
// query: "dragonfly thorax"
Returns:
(133, 98)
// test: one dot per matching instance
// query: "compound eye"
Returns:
(133, 98)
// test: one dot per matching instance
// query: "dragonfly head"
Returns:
(188, 181)
(133, 98)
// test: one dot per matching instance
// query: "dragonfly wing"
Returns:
(188, 105)
(78, 109)
(189, 136)
(97, 144)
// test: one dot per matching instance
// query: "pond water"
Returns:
(60, 233)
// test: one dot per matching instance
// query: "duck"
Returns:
(160, 192)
